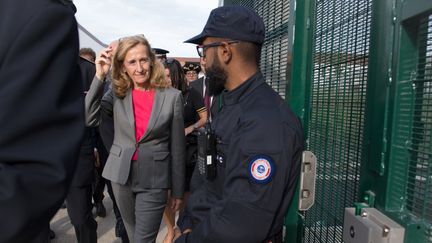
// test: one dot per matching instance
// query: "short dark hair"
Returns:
(249, 51)
(88, 51)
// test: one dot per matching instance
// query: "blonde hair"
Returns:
(121, 82)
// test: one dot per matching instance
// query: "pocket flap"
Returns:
(116, 150)
(160, 155)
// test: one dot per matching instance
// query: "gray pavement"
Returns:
(65, 232)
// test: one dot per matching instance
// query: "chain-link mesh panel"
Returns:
(274, 54)
(411, 148)
(340, 59)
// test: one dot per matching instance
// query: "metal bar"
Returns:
(379, 66)
(415, 8)
(300, 82)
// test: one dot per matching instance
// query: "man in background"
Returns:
(161, 54)
(191, 70)
(100, 152)
(212, 103)
(41, 114)
(78, 200)
(88, 54)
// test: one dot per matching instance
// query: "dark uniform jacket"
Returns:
(255, 125)
(106, 125)
(198, 85)
(41, 114)
(84, 171)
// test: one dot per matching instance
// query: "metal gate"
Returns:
(411, 154)
(274, 53)
(337, 111)
(409, 190)
(359, 74)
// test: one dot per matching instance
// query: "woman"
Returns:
(147, 155)
(195, 116)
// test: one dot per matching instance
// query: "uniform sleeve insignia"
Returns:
(261, 169)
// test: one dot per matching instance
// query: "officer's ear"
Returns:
(226, 52)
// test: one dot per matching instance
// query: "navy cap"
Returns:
(232, 22)
(160, 51)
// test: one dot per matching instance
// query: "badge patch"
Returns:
(261, 169)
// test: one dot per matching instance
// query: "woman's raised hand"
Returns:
(103, 63)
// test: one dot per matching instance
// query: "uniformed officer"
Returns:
(259, 139)
(191, 71)
(161, 54)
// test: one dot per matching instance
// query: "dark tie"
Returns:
(207, 99)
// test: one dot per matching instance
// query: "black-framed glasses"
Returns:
(202, 48)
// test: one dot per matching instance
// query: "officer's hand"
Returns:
(176, 204)
(178, 233)
(188, 130)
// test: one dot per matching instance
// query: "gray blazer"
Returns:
(161, 150)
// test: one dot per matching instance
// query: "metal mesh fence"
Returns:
(411, 148)
(340, 59)
(274, 53)
(337, 111)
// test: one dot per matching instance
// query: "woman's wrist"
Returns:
(100, 77)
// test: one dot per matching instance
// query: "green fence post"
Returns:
(374, 168)
(396, 111)
(298, 90)
(341, 31)
(409, 179)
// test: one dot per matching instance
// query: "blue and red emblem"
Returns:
(261, 169)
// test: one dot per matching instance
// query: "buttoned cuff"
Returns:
(184, 222)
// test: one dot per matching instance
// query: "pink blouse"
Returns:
(142, 102)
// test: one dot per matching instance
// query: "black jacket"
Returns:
(216, 103)
(84, 171)
(41, 113)
(260, 143)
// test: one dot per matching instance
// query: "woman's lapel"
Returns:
(128, 106)
(158, 101)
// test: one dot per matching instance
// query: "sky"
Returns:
(165, 23)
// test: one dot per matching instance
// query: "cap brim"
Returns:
(197, 39)
(160, 51)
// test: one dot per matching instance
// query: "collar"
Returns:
(243, 90)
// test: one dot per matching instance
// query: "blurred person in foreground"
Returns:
(256, 140)
(41, 114)
(147, 155)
